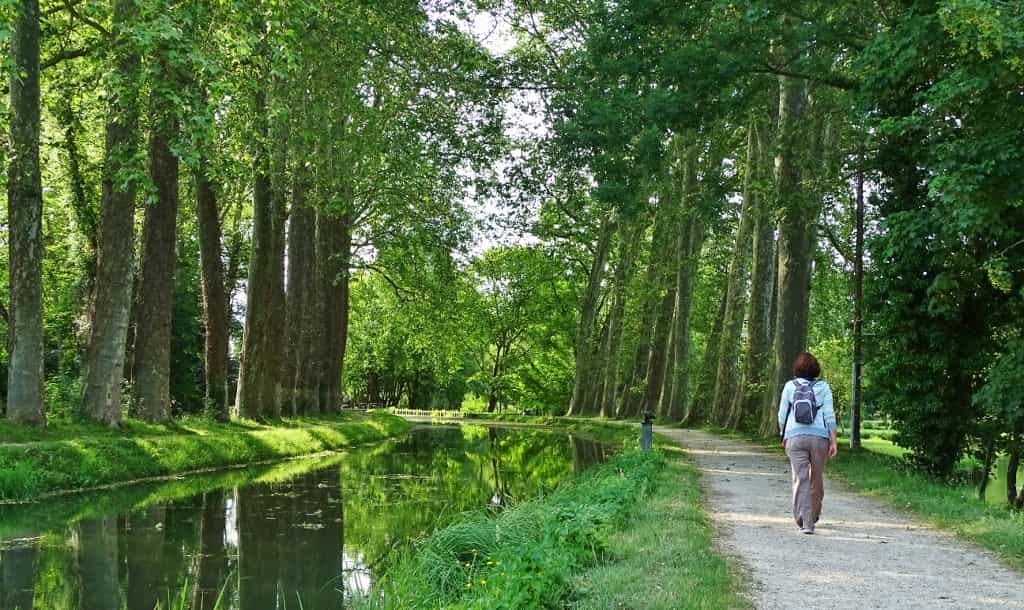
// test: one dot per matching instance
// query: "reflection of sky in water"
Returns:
(230, 523)
(355, 574)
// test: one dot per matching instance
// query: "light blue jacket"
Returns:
(824, 423)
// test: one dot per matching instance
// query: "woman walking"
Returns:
(807, 423)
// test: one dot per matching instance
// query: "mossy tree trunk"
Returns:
(25, 217)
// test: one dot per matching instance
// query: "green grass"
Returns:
(952, 507)
(79, 456)
(664, 557)
(576, 547)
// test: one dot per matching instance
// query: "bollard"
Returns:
(646, 431)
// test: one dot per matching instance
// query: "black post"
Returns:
(647, 431)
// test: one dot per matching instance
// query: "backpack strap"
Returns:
(785, 421)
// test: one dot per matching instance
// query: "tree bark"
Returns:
(152, 371)
(752, 388)
(659, 346)
(661, 243)
(588, 315)
(216, 315)
(858, 304)
(689, 243)
(101, 394)
(25, 233)
(701, 403)
(259, 370)
(795, 247)
(334, 250)
(629, 237)
(736, 293)
(301, 268)
(1012, 465)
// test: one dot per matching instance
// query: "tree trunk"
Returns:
(215, 299)
(629, 236)
(334, 243)
(101, 394)
(701, 403)
(256, 396)
(858, 304)
(152, 370)
(301, 267)
(736, 293)
(796, 247)
(25, 232)
(689, 243)
(588, 314)
(1012, 465)
(659, 346)
(751, 394)
(85, 214)
(661, 244)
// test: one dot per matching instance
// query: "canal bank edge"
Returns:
(32, 471)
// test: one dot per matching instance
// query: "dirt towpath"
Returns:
(864, 555)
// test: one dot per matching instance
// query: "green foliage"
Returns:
(948, 261)
(526, 556)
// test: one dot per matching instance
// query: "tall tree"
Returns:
(795, 244)
(25, 214)
(152, 349)
(736, 292)
(750, 394)
(101, 397)
(584, 347)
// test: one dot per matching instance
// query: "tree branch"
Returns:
(68, 4)
(68, 54)
(836, 244)
(833, 80)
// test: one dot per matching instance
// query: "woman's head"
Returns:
(806, 366)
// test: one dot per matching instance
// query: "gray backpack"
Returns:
(804, 405)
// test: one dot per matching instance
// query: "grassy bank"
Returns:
(558, 550)
(34, 463)
(952, 507)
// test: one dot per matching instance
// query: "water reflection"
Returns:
(307, 538)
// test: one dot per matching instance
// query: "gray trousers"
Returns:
(807, 455)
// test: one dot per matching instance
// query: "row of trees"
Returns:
(735, 152)
(699, 167)
(265, 150)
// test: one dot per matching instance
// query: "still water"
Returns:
(301, 534)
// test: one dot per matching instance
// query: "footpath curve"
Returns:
(864, 554)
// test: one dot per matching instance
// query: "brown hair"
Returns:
(806, 366)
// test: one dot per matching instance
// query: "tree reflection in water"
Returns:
(300, 534)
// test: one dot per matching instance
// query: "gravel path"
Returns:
(864, 555)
